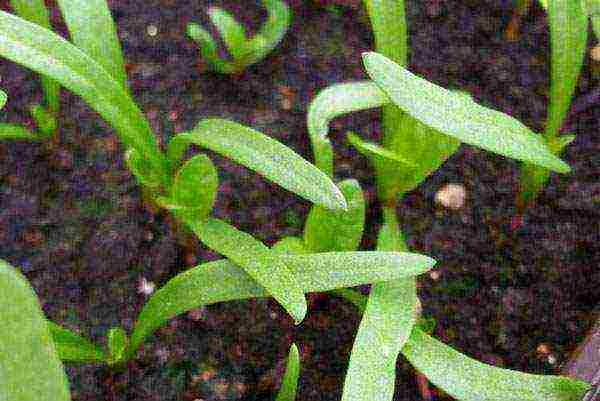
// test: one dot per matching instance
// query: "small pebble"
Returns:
(152, 30)
(145, 287)
(595, 53)
(451, 196)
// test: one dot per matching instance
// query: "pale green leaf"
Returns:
(455, 115)
(292, 245)
(262, 154)
(222, 281)
(30, 369)
(388, 21)
(72, 347)
(117, 345)
(270, 34)
(379, 154)
(268, 268)
(289, 384)
(92, 30)
(231, 31)
(329, 231)
(466, 379)
(47, 53)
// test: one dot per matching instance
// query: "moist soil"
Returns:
(521, 296)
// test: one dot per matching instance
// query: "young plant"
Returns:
(423, 125)
(244, 51)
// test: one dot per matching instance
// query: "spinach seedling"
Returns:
(423, 124)
(244, 51)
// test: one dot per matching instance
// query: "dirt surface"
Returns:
(72, 219)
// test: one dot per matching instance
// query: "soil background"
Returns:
(72, 220)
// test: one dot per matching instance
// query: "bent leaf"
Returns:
(466, 379)
(92, 30)
(378, 153)
(328, 231)
(47, 53)
(231, 31)
(268, 268)
(72, 347)
(455, 115)
(289, 384)
(335, 101)
(30, 369)
(262, 154)
(271, 33)
(222, 281)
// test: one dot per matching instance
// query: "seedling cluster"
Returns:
(423, 125)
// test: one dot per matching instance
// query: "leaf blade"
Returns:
(73, 347)
(289, 384)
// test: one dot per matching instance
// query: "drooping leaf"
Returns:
(72, 347)
(455, 115)
(289, 384)
(117, 345)
(35, 11)
(262, 154)
(222, 281)
(47, 53)
(466, 379)
(231, 31)
(268, 268)
(386, 324)
(270, 34)
(332, 102)
(330, 231)
(30, 369)
(194, 189)
(378, 153)
(92, 30)
(16, 132)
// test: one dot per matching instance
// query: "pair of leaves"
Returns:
(244, 52)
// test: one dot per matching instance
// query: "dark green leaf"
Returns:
(466, 379)
(45, 121)
(457, 116)
(268, 268)
(92, 30)
(16, 132)
(72, 347)
(262, 154)
(329, 231)
(208, 49)
(287, 392)
(30, 369)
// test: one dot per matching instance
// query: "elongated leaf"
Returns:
(335, 101)
(329, 231)
(386, 324)
(117, 345)
(270, 34)
(378, 153)
(231, 31)
(262, 154)
(92, 30)
(268, 268)
(469, 380)
(72, 347)
(388, 21)
(208, 49)
(47, 53)
(30, 369)
(454, 115)
(195, 189)
(3, 99)
(222, 281)
(16, 132)
(289, 384)
(35, 11)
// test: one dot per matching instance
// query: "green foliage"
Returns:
(244, 51)
(29, 365)
(287, 392)
(262, 154)
(3, 99)
(72, 347)
(117, 345)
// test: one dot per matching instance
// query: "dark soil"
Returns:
(73, 221)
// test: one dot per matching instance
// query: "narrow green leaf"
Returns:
(195, 189)
(386, 324)
(262, 154)
(35, 11)
(568, 43)
(378, 153)
(469, 380)
(146, 176)
(209, 50)
(117, 345)
(92, 30)
(47, 53)
(16, 132)
(266, 267)
(457, 116)
(30, 369)
(231, 31)
(289, 384)
(388, 21)
(222, 281)
(270, 34)
(329, 231)
(45, 121)
(3, 99)
(292, 245)
(72, 347)
(335, 101)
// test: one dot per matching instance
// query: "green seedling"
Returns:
(423, 124)
(244, 51)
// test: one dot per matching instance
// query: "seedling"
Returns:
(244, 51)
